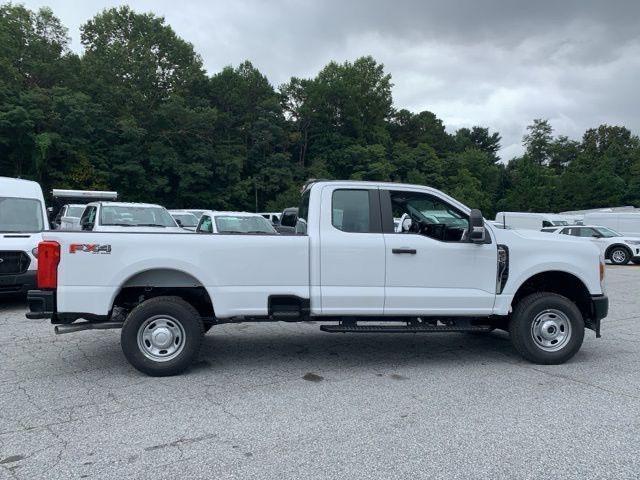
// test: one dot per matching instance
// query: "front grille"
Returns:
(13, 262)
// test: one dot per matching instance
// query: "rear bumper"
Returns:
(599, 310)
(41, 303)
(18, 283)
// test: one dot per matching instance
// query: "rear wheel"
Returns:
(162, 336)
(546, 328)
(619, 256)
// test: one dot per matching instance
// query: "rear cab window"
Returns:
(356, 210)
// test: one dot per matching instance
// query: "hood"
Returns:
(19, 241)
(504, 235)
(628, 239)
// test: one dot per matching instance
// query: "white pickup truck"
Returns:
(346, 265)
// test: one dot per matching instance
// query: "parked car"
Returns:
(346, 264)
(273, 217)
(186, 220)
(23, 217)
(68, 218)
(128, 217)
(234, 222)
(288, 221)
(615, 247)
(626, 222)
(530, 220)
(68, 205)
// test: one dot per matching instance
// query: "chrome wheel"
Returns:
(551, 330)
(161, 338)
(618, 256)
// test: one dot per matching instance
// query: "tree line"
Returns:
(137, 113)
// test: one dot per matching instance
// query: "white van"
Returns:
(530, 220)
(23, 216)
(625, 222)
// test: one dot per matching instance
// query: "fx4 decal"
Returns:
(89, 248)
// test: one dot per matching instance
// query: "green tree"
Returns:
(537, 142)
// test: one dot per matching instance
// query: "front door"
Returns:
(432, 268)
(352, 252)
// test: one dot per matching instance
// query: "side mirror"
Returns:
(179, 222)
(476, 226)
(597, 235)
(86, 226)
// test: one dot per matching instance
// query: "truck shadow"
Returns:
(306, 348)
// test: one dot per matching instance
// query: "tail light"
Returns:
(48, 260)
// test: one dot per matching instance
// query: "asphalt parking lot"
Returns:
(288, 401)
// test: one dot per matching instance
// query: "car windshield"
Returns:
(243, 224)
(607, 232)
(20, 215)
(186, 219)
(133, 216)
(75, 211)
(447, 217)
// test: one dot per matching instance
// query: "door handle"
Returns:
(411, 251)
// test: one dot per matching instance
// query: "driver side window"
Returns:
(205, 226)
(424, 214)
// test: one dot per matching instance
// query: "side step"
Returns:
(401, 328)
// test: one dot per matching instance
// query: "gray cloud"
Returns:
(493, 63)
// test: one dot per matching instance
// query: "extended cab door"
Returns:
(432, 268)
(352, 252)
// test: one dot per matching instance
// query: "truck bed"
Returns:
(239, 272)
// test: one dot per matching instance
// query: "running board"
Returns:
(401, 328)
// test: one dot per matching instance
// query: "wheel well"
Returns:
(562, 283)
(607, 254)
(163, 281)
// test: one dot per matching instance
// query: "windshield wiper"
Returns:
(148, 225)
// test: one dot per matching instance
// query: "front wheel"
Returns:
(546, 328)
(619, 256)
(162, 336)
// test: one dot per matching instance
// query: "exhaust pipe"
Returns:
(78, 327)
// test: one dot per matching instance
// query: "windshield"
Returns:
(445, 216)
(186, 219)
(132, 216)
(607, 232)
(242, 224)
(75, 211)
(20, 215)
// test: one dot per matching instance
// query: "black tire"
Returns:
(619, 255)
(180, 318)
(559, 312)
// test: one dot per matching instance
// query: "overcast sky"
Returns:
(493, 63)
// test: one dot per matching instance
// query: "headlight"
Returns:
(633, 242)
